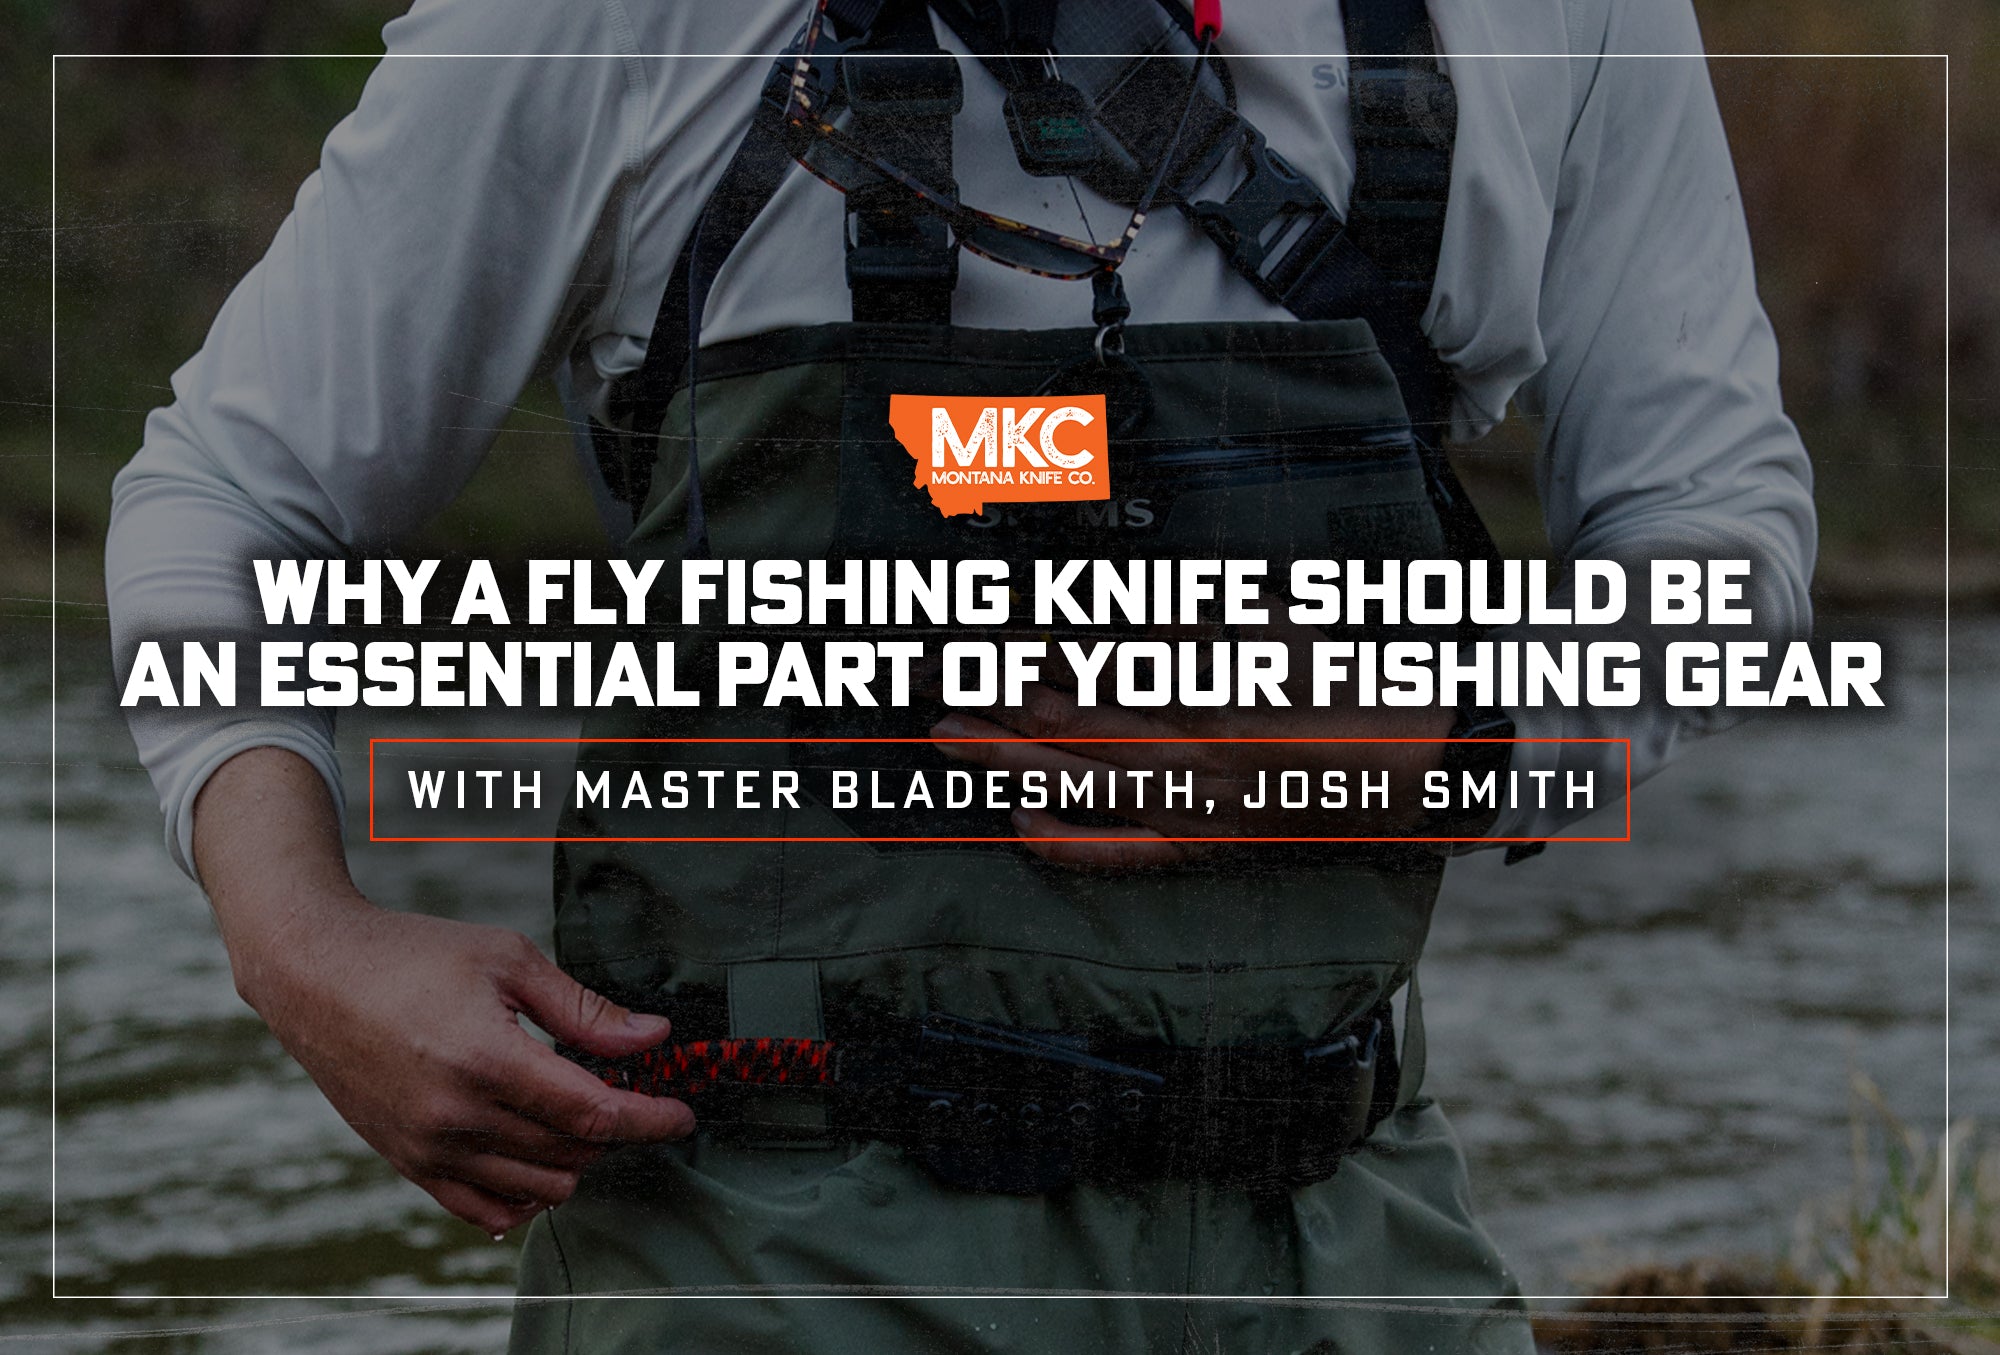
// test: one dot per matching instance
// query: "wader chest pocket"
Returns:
(1255, 442)
(1269, 441)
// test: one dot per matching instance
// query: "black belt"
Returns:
(993, 1109)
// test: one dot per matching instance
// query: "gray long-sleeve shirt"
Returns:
(511, 192)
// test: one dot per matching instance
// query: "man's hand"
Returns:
(410, 1024)
(1224, 772)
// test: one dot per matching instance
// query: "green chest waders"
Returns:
(1261, 440)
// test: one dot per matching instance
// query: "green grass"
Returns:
(1888, 1233)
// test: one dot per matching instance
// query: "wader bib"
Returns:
(1263, 440)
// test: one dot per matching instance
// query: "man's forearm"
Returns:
(410, 1024)
(267, 845)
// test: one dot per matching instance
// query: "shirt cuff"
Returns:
(226, 744)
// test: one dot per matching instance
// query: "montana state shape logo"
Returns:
(974, 450)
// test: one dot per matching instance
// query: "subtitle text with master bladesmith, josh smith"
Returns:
(1106, 789)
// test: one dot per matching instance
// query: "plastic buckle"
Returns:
(1347, 1062)
(1335, 1108)
(918, 252)
(1272, 210)
(1109, 310)
(905, 87)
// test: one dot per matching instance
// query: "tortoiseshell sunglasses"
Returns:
(840, 160)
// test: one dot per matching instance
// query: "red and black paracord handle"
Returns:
(684, 1070)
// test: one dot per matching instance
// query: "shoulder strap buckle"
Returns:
(1267, 217)
(916, 252)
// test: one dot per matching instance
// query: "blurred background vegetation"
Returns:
(173, 175)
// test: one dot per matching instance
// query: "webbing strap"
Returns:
(775, 999)
(902, 262)
(1386, 28)
(853, 16)
(1032, 26)
(1404, 117)
(777, 1033)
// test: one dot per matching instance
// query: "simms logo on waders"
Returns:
(971, 450)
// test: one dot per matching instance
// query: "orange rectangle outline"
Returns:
(973, 841)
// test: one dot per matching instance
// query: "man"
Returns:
(509, 199)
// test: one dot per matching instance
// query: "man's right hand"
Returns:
(410, 1024)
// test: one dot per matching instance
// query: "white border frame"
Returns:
(1442, 1304)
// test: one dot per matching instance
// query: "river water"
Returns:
(1647, 1048)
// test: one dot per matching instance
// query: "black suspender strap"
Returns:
(902, 262)
(1032, 27)
(1404, 116)
(850, 17)
(638, 401)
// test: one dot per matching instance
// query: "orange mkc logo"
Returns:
(971, 450)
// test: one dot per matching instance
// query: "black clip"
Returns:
(1273, 209)
(1053, 128)
(1351, 1058)
(1109, 310)
(918, 251)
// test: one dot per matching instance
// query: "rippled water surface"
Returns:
(1647, 1048)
